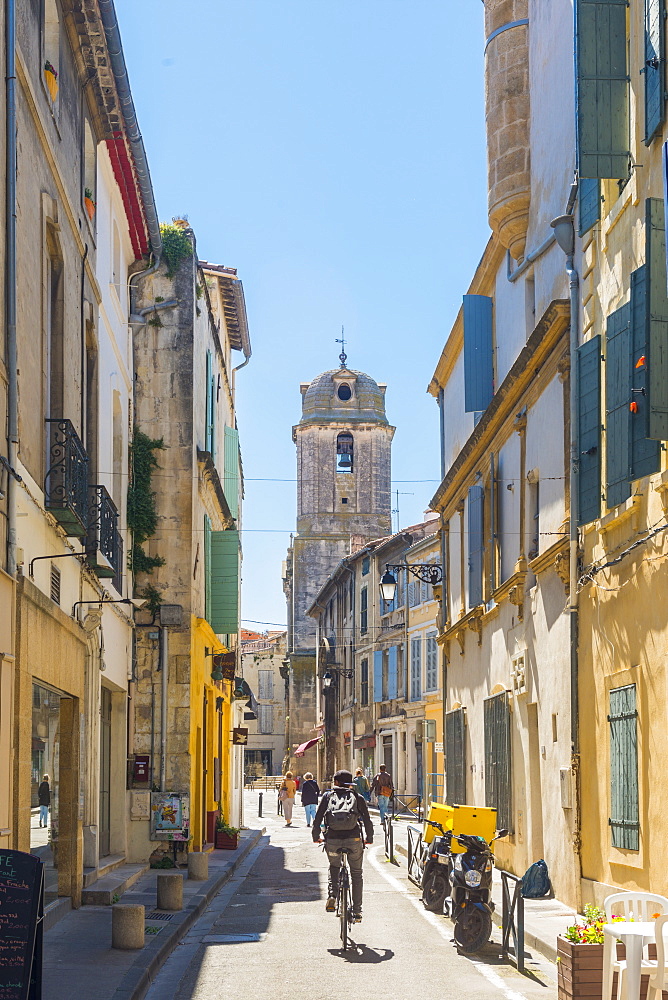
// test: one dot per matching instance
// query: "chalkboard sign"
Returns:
(21, 915)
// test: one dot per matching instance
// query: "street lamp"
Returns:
(328, 676)
(428, 572)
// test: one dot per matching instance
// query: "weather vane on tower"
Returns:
(343, 357)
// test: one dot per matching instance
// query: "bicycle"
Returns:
(344, 899)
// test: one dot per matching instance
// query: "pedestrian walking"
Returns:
(383, 787)
(44, 799)
(361, 783)
(310, 796)
(286, 794)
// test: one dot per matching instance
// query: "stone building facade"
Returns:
(263, 669)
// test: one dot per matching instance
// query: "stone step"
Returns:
(105, 866)
(104, 890)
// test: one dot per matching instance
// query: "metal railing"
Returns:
(415, 854)
(389, 839)
(512, 924)
(66, 479)
(435, 784)
(406, 803)
(104, 543)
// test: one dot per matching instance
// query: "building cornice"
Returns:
(211, 477)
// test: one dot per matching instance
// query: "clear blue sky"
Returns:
(333, 153)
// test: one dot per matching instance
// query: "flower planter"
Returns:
(90, 208)
(51, 83)
(226, 841)
(580, 971)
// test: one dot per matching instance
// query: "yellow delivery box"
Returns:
(477, 821)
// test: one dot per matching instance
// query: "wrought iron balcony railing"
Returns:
(65, 483)
(104, 544)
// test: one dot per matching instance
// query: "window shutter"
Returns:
(224, 605)
(231, 470)
(624, 818)
(478, 360)
(657, 318)
(455, 757)
(617, 399)
(476, 510)
(392, 672)
(654, 67)
(411, 593)
(588, 375)
(645, 453)
(492, 524)
(207, 568)
(378, 675)
(602, 89)
(432, 662)
(498, 774)
(416, 669)
(208, 437)
(589, 189)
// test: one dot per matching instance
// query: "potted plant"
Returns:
(227, 837)
(51, 77)
(580, 958)
(89, 203)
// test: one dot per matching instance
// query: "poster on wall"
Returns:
(170, 816)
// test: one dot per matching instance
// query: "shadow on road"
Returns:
(359, 954)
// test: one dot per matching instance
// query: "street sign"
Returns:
(240, 737)
(22, 910)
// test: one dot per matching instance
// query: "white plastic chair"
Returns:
(639, 906)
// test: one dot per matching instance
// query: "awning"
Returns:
(303, 747)
(365, 742)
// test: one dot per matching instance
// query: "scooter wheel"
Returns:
(434, 893)
(473, 928)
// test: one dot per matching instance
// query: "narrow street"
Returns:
(268, 928)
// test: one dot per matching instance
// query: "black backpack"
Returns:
(536, 881)
(342, 811)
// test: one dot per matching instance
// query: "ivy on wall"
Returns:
(142, 513)
(176, 247)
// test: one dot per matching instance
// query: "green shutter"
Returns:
(602, 89)
(231, 470)
(588, 388)
(657, 308)
(455, 757)
(624, 817)
(207, 567)
(645, 453)
(208, 436)
(654, 67)
(617, 399)
(478, 359)
(498, 772)
(589, 207)
(223, 616)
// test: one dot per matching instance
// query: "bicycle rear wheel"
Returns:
(344, 906)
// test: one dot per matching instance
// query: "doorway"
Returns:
(534, 784)
(104, 822)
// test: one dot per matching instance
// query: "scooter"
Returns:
(472, 905)
(436, 865)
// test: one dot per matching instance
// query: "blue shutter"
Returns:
(654, 67)
(476, 499)
(645, 453)
(378, 675)
(617, 399)
(478, 359)
(224, 603)
(589, 193)
(624, 817)
(657, 318)
(602, 85)
(588, 383)
(392, 685)
(208, 436)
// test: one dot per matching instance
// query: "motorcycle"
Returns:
(436, 864)
(471, 891)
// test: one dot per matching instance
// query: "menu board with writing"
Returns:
(21, 909)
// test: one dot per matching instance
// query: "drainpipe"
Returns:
(10, 279)
(164, 676)
(82, 294)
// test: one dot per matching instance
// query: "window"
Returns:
(90, 170)
(118, 449)
(392, 678)
(265, 719)
(54, 325)
(344, 392)
(366, 562)
(455, 757)
(344, 452)
(377, 675)
(116, 260)
(416, 669)
(364, 613)
(534, 518)
(432, 662)
(498, 774)
(624, 812)
(476, 500)
(364, 682)
(588, 362)
(265, 685)
(51, 34)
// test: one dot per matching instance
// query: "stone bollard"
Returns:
(127, 926)
(170, 891)
(198, 866)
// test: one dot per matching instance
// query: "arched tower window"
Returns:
(344, 452)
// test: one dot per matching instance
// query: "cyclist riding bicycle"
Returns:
(344, 812)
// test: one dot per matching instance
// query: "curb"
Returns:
(154, 954)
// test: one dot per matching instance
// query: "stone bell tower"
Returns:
(343, 499)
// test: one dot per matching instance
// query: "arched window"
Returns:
(344, 392)
(344, 452)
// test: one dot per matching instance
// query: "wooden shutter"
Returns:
(498, 773)
(378, 675)
(224, 603)
(588, 382)
(416, 669)
(208, 437)
(455, 757)
(645, 454)
(411, 593)
(478, 359)
(231, 470)
(476, 499)
(207, 568)
(589, 207)
(654, 67)
(617, 399)
(624, 817)
(492, 524)
(392, 672)
(432, 662)
(657, 318)
(602, 89)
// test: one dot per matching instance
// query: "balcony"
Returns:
(65, 483)
(104, 544)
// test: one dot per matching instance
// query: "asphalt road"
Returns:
(267, 935)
